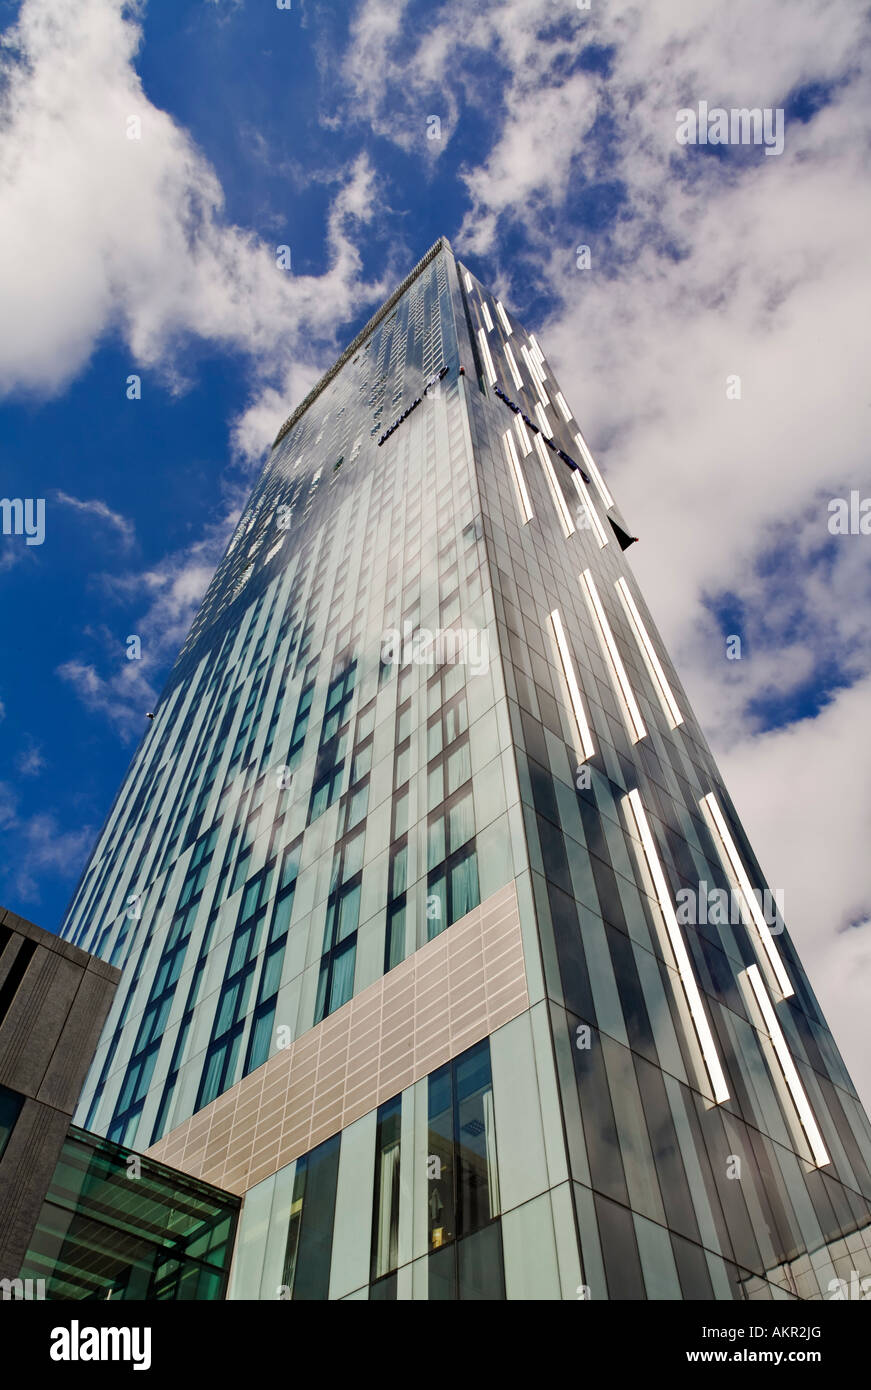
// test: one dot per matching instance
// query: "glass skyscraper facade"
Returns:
(441, 941)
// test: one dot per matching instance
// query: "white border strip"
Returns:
(654, 665)
(489, 369)
(536, 379)
(788, 1067)
(729, 853)
(538, 357)
(636, 723)
(543, 422)
(519, 480)
(688, 980)
(515, 370)
(523, 435)
(594, 472)
(556, 491)
(565, 656)
(586, 499)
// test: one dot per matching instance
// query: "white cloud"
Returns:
(103, 511)
(30, 761)
(101, 233)
(173, 589)
(41, 847)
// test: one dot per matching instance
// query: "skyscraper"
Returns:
(441, 940)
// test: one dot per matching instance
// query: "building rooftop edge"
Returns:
(441, 245)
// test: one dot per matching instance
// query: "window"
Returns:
(308, 1253)
(11, 1104)
(452, 864)
(330, 765)
(149, 1037)
(300, 725)
(263, 1019)
(222, 1054)
(385, 1214)
(339, 952)
(463, 1180)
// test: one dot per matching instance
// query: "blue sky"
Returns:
(308, 128)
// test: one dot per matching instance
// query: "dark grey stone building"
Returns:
(54, 999)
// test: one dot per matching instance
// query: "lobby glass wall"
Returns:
(115, 1225)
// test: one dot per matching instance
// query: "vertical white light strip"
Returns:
(563, 405)
(598, 528)
(519, 480)
(543, 422)
(731, 858)
(515, 370)
(594, 472)
(489, 369)
(654, 665)
(523, 435)
(636, 723)
(539, 356)
(788, 1067)
(467, 281)
(503, 318)
(681, 955)
(487, 319)
(568, 668)
(536, 379)
(556, 491)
